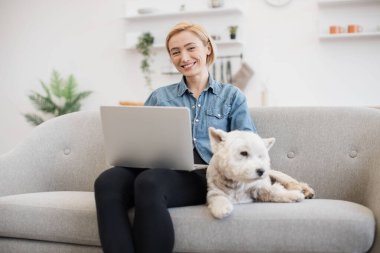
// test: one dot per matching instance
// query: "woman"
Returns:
(152, 192)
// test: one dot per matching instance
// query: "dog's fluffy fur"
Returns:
(239, 172)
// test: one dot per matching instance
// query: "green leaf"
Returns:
(69, 88)
(56, 83)
(46, 89)
(74, 105)
(34, 119)
(42, 103)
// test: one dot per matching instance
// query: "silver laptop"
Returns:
(148, 137)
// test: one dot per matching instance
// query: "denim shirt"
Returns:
(221, 106)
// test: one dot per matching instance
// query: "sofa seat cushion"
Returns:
(66, 216)
(317, 225)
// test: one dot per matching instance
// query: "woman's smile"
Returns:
(188, 65)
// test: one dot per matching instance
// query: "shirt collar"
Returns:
(212, 85)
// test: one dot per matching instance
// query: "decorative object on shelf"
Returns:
(61, 98)
(144, 47)
(146, 10)
(232, 30)
(352, 28)
(215, 37)
(222, 72)
(278, 3)
(336, 29)
(216, 3)
(222, 68)
(229, 71)
(242, 76)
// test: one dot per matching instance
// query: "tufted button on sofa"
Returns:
(47, 201)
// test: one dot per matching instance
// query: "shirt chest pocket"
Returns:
(218, 117)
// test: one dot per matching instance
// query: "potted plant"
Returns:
(232, 30)
(60, 97)
(144, 46)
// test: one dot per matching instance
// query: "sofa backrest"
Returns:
(334, 149)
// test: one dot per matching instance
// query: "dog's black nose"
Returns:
(260, 172)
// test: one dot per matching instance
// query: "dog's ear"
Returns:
(216, 137)
(269, 142)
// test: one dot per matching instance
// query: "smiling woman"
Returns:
(152, 192)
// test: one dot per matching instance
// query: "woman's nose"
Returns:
(184, 56)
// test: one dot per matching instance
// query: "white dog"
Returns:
(239, 172)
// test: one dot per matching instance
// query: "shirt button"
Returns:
(196, 120)
(195, 139)
(219, 115)
(193, 107)
(199, 105)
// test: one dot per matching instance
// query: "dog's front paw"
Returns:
(299, 197)
(220, 207)
(295, 196)
(307, 191)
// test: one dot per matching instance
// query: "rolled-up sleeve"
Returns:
(240, 117)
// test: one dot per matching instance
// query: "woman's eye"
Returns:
(191, 48)
(244, 153)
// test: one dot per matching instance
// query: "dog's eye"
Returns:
(244, 153)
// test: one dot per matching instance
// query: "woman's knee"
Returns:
(150, 182)
(113, 179)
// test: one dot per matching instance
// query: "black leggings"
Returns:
(151, 192)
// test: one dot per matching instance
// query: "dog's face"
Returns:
(240, 155)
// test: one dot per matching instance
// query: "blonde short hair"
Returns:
(200, 32)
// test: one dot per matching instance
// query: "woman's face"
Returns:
(188, 54)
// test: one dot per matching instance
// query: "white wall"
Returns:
(86, 38)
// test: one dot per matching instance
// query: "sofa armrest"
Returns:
(64, 153)
(372, 200)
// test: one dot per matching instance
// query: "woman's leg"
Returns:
(114, 196)
(155, 191)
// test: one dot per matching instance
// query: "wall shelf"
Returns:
(364, 13)
(183, 14)
(348, 35)
(346, 2)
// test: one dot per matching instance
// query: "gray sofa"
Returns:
(47, 203)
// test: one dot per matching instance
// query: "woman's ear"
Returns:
(208, 48)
